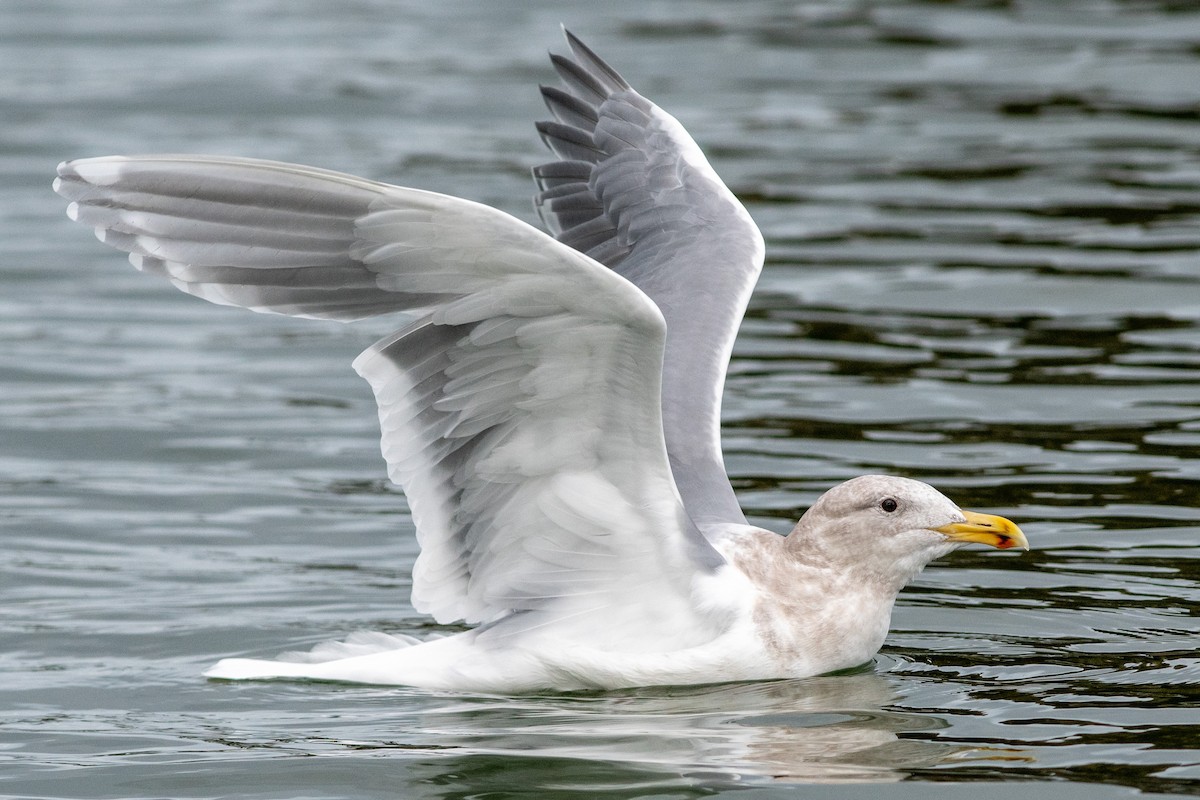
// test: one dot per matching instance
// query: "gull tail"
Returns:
(313, 664)
(248, 669)
(447, 662)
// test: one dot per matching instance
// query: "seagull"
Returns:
(551, 405)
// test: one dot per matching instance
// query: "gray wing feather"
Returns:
(261, 235)
(634, 192)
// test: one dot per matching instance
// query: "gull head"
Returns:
(887, 529)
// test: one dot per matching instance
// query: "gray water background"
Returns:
(983, 224)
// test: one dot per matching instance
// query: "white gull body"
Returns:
(552, 406)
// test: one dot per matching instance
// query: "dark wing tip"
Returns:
(568, 108)
(611, 79)
(567, 142)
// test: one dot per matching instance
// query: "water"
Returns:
(983, 223)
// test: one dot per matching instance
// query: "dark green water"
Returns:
(983, 224)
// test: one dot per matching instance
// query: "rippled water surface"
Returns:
(983, 222)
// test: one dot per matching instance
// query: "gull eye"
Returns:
(889, 505)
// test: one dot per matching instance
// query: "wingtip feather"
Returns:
(595, 64)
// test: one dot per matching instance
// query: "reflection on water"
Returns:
(983, 223)
(825, 730)
(822, 729)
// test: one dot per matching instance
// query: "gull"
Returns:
(551, 405)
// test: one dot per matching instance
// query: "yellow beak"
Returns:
(985, 529)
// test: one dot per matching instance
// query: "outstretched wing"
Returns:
(634, 192)
(520, 411)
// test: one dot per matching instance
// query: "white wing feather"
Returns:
(520, 411)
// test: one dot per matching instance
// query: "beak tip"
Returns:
(1016, 539)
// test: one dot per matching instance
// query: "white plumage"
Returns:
(552, 409)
